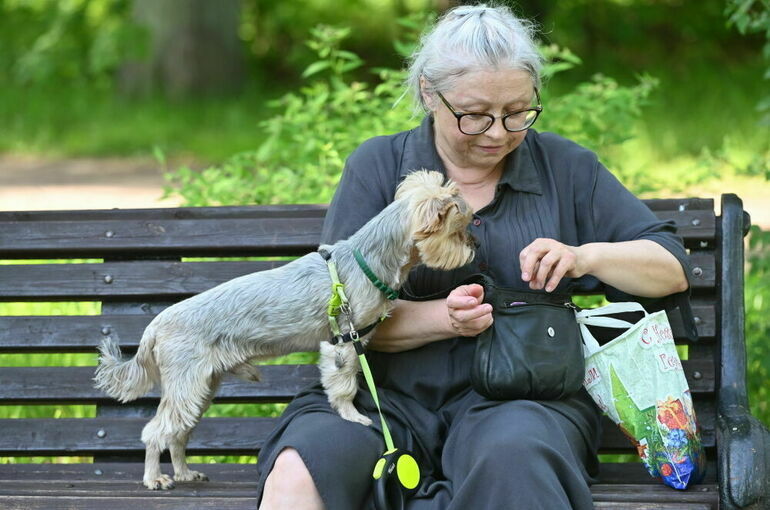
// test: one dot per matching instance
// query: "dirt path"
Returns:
(30, 183)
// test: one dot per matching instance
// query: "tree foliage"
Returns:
(753, 17)
(77, 41)
(316, 127)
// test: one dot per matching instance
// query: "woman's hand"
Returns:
(468, 314)
(546, 261)
(641, 267)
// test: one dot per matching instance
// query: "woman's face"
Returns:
(496, 92)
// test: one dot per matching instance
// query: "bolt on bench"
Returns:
(143, 272)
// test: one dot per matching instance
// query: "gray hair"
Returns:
(469, 38)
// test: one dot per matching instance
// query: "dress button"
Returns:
(476, 222)
(483, 266)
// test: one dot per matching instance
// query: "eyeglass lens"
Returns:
(472, 124)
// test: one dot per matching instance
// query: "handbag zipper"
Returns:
(513, 304)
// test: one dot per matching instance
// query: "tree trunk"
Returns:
(193, 49)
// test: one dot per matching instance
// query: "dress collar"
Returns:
(520, 172)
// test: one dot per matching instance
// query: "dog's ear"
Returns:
(431, 215)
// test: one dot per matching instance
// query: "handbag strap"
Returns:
(479, 278)
(499, 297)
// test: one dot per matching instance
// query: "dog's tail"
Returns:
(127, 379)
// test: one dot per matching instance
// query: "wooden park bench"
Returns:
(142, 272)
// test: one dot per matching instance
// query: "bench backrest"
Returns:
(139, 269)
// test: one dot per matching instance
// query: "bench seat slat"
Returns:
(239, 480)
(223, 488)
(657, 493)
(636, 505)
(163, 279)
(153, 502)
(180, 502)
(129, 488)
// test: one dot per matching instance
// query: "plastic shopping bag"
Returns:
(637, 380)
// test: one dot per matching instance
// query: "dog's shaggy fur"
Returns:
(190, 345)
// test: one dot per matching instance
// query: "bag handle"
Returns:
(595, 317)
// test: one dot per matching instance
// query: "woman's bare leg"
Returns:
(289, 485)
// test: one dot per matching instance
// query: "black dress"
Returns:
(474, 453)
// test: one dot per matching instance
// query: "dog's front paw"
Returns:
(163, 482)
(355, 416)
(191, 476)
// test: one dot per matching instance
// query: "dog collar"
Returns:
(389, 293)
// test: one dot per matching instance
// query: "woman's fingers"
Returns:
(558, 273)
(468, 314)
(545, 262)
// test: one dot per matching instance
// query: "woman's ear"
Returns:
(427, 97)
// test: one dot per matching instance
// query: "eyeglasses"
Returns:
(472, 123)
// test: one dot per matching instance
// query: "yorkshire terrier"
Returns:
(189, 346)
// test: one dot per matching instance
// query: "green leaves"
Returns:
(753, 17)
(558, 60)
(600, 114)
(316, 127)
(325, 42)
(66, 41)
(312, 132)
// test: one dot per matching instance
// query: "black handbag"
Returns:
(533, 350)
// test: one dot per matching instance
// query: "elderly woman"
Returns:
(547, 215)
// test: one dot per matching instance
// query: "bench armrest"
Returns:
(743, 442)
(744, 461)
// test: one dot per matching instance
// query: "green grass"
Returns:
(72, 121)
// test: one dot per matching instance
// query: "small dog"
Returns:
(189, 346)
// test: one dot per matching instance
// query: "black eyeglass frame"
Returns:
(537, 109)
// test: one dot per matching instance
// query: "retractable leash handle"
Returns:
(396, 473)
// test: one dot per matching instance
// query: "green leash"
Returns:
(387, 494)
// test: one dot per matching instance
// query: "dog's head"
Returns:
(439, 220)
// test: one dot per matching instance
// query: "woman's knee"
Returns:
(290, 478)
(290, 469)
